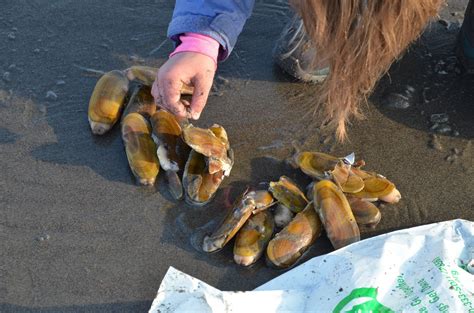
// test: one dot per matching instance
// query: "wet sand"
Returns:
(78, 235)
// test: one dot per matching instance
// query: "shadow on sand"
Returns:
(430, 68)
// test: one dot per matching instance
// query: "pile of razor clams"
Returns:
(195, 160)
(281, 222)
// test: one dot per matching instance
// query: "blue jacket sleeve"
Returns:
(222, 20)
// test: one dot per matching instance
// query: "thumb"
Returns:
(202, 86)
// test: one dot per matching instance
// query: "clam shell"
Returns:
(366, 213)
(199, 185)
(375, 187)
(393, 197)
(226, 167)
(204, 141)
(107, 101)
(140, 148)
(147, 75)
(253, 237)
(363, 174)
(174, 184)
(262, 199)
(172, 151)
(349, 182)
(242, 210)
(141, 102)
(187, 89)
(207, 143)
(315, 164)
(378, 187)
(288, 194)
(216, 164)
(288, 245)
(143, 74)
(336, 214)
(165, 123)
(220, 133)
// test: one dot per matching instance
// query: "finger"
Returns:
(170, 90)
(170, 97)
(178, 109)
(156, 93)
(202, 86)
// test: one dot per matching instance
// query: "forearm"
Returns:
(220, 20)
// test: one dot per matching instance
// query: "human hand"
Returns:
(190, 68)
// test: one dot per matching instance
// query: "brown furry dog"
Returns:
(359, 40)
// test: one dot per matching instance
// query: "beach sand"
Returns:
(78, 235)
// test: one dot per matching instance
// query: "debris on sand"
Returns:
(402, 100)
(6, 77)
(435, 143)
(51, 95)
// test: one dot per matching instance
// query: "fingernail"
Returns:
(196, 115)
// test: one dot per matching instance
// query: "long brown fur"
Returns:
(359, 40)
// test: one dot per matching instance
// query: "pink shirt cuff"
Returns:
(193, 42)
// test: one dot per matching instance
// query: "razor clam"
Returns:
(315, 164)
(140, 148)
(147, 75)
(215, 164)
(175, 185)
(343, 176)
(336, 215)
(167, 135)
(107, 101)
(288, 193)
(253, 237)
(141, 101)
(143, 74)
(393, 197)
(199, 185)
(220, 133)
(207, 143)
(288, 245)
(366, 213)
(242, 210)
(364, 174)
(378, 188)
(171, 151)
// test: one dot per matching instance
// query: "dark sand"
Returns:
(77, 234)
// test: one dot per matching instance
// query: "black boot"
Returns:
(465, 44)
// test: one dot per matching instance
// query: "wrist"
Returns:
(198, 43)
